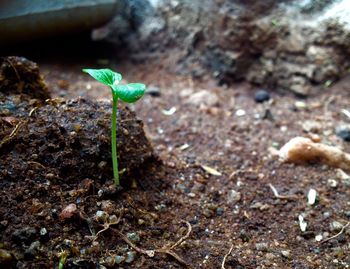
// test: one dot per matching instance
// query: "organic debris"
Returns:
(302, 150)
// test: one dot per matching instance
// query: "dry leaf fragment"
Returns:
(211, 171)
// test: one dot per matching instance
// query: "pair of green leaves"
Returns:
(129, 93)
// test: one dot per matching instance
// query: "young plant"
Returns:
(128, 93)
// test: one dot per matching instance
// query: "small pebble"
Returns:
(68, 211)
(233, 196)
(32, 251)
(311, 196)
(219, 211)
(24, 235)
(153, 91)
(44, 235)
(318, 237)
(343, 132)
(5, 256)
(240, 113)
(260, 206)
(335, 226)
(261, 246)
(191, 194)
(300, 105)
(261, 96)
(208, 213)
(119, 259)
(101, 216)
(133, 237)
(347, 214)
(130, 256)
(332, 183)
(285, 253)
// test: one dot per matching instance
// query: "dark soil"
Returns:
(224, 130)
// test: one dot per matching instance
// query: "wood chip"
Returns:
(211, 171)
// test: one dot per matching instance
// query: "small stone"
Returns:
(326, 214)
(153, 91)
(286, 253)
(5, 256)
(347, 214)
(240, 113)
(119, 259)
(300, 105)
(260, 206)
(101, 216)
(107, 206)
(44, 235)
(261, 246)
(3, 223)
(191, 194)
(332, 183)
(130, 256)
(208, 213)
(109, 261)
(343, 132)
(133, 237)
(113, 219)
(261, 96)
(203, 97)
(68, 211)
(311, 196)
(32, 251)
(335, 226)
(233, 196)
(270, 256)
(318, 237)
(219, 211)
(311, 126)
(24, 235)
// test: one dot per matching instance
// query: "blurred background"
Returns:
(284, 45)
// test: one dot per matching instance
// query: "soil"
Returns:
(233, 218)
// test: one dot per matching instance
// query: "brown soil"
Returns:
(236, 208)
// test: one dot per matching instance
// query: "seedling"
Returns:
(128, 93)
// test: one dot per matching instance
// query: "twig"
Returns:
(11, 135)
(150, 253)
(182, 239)
(32, 111)
(164, 249)
(277, 195)
(107, 225)
(225, 257)
(334, 236)
(37, 164)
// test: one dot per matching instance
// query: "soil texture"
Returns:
(214, 197)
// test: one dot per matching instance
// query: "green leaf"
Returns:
(105, 76)
(129, 93)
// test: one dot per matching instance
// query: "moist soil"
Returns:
(228, 217)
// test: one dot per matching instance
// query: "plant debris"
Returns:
(303, 150)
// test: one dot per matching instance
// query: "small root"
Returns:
(282, 197)
(336, 235)
(14, 132)
(150, 253)
(37, 164)
(225, 257)
(164, 249)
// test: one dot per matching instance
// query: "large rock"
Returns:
(288, 45)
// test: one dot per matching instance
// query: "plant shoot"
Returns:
(128, 93)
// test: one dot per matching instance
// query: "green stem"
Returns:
(114, 141)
